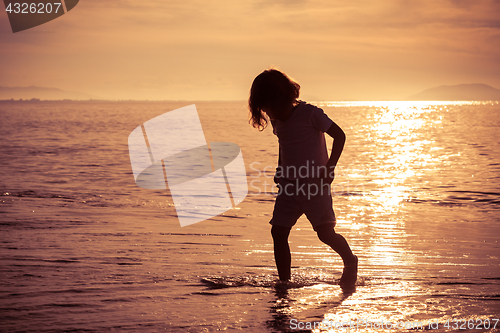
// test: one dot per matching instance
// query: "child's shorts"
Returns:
(311, 197)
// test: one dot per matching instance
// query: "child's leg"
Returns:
(282, 254)
(326, 233)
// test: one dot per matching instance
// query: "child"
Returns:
(304, 172)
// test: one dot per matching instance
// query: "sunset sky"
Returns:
(212, 50)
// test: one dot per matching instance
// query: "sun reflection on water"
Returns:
(399, 155)
(402, 151)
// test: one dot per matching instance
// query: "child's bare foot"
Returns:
(350, 274)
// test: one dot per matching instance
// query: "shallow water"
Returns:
(417, 195)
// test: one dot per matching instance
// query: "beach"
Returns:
(83, 248)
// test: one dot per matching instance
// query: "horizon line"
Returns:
(35, 100)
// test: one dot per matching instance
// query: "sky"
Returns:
(212, 50)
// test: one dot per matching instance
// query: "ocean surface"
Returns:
(83, 248)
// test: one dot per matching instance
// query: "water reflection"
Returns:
(403, 154)
(294, 307)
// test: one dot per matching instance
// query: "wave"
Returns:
(300, 280)
(461, 198)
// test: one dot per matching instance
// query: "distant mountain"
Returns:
(40, 93)
(461, 92)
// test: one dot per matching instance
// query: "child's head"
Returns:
(273, 93)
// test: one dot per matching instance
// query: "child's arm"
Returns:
(277, 174)
(338, 136)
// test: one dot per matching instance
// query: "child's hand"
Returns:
(331, 174)
(330, 178)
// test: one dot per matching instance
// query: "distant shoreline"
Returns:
(357, 102)
(460, 92)
(37, 100)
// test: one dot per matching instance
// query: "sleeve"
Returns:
(320, 120)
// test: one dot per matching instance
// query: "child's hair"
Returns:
(273, 90)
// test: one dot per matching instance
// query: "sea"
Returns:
(84, 249)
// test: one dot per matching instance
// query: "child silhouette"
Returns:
(304, 171)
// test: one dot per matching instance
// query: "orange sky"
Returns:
(337, 50)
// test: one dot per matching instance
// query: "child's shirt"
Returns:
(302, 142)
